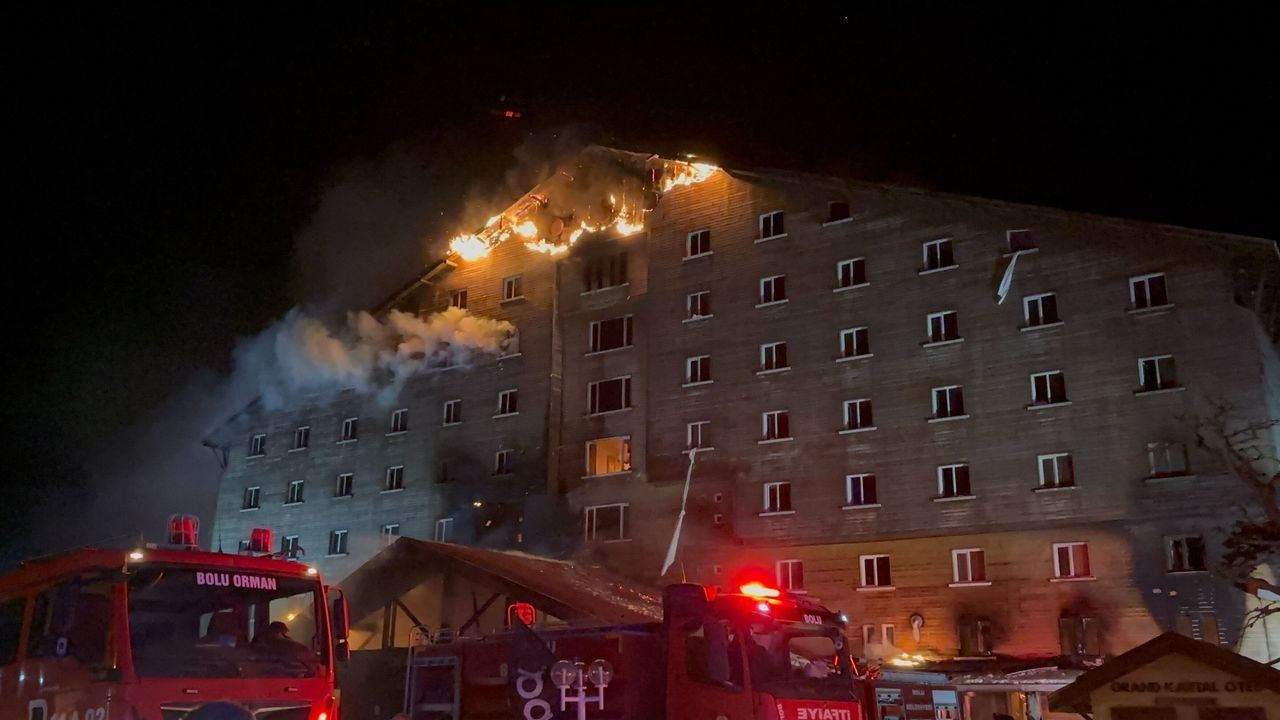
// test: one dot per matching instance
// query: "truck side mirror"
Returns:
(341, 621)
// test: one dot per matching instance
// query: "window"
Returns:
(1041, 309)
(452, 412)
(1156, 373)
(790, 575)
(302, 437)
(390, 532)
(938, 255)
(697, 243)
(458, 298)
(837, 210)
(1019, 240)
(443, 530)
(1071, 560)
(73, 620)
(1167, 459)
(775, 425)
(294, 493)
(444, 472)
(1148, 291)
(698, 435)
(975, 637)
(338, 542)
(1056, 470)
(1185, 553)
(875, 571)
(943, 326)
(350, 429)
(258, 446)
(605, 272)
(773, 289)
(609, 395)
(953, 481)
(512, 287)
(394, 478)
(948, 402)
(857, 414)
(503, 462)
(11, 612)
(1079, 635)
(608, 455)
(860, 490)
(887, 633)
(855, 342)
(508, 402)
(968, 565)
(698, 305)
(345, 485)
(252, 496)
(771, 225)
(290, 547)
(611, 334)
(400, 420)
(851, 273)
(773, 356)
(1048, 388)
(605, 523)
(777, 497)
(697, 370)
(870, 635)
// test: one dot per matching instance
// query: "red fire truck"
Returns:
(158, 634)
(758, 654)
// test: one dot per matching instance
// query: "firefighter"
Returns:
(275, 641)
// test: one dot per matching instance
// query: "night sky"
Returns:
(184, 176)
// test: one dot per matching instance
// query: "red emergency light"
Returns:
(260, 540)
(759, 590)
(184, 530)
(523, 612)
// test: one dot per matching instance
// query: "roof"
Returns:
(574, 593)
(1076, 696)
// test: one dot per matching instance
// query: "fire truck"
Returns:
(168, 634)
(756, 654)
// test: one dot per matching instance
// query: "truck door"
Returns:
(705, 673)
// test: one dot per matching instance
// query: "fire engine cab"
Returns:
(160, 633)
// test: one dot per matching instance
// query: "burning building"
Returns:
(964, 422)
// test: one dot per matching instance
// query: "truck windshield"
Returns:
(195, 623)
(775, 655)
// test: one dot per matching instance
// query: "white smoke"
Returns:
(300, 356)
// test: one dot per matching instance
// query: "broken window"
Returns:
(609, 395)
(605, 523)
(1018, 240)
(344, 485)
(608, 455)
(350, 430)
(975, 637)
(604, 271)
(458, 298)
(837, 210)
(258, 445)
(504, 462)
(452, 412)
(400, 420)
(1167, 459)
(1079, 635)
(1185, 553)
(698, 435)
(508, 402)
(611, 334)
(443, 531)
(301, 437)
